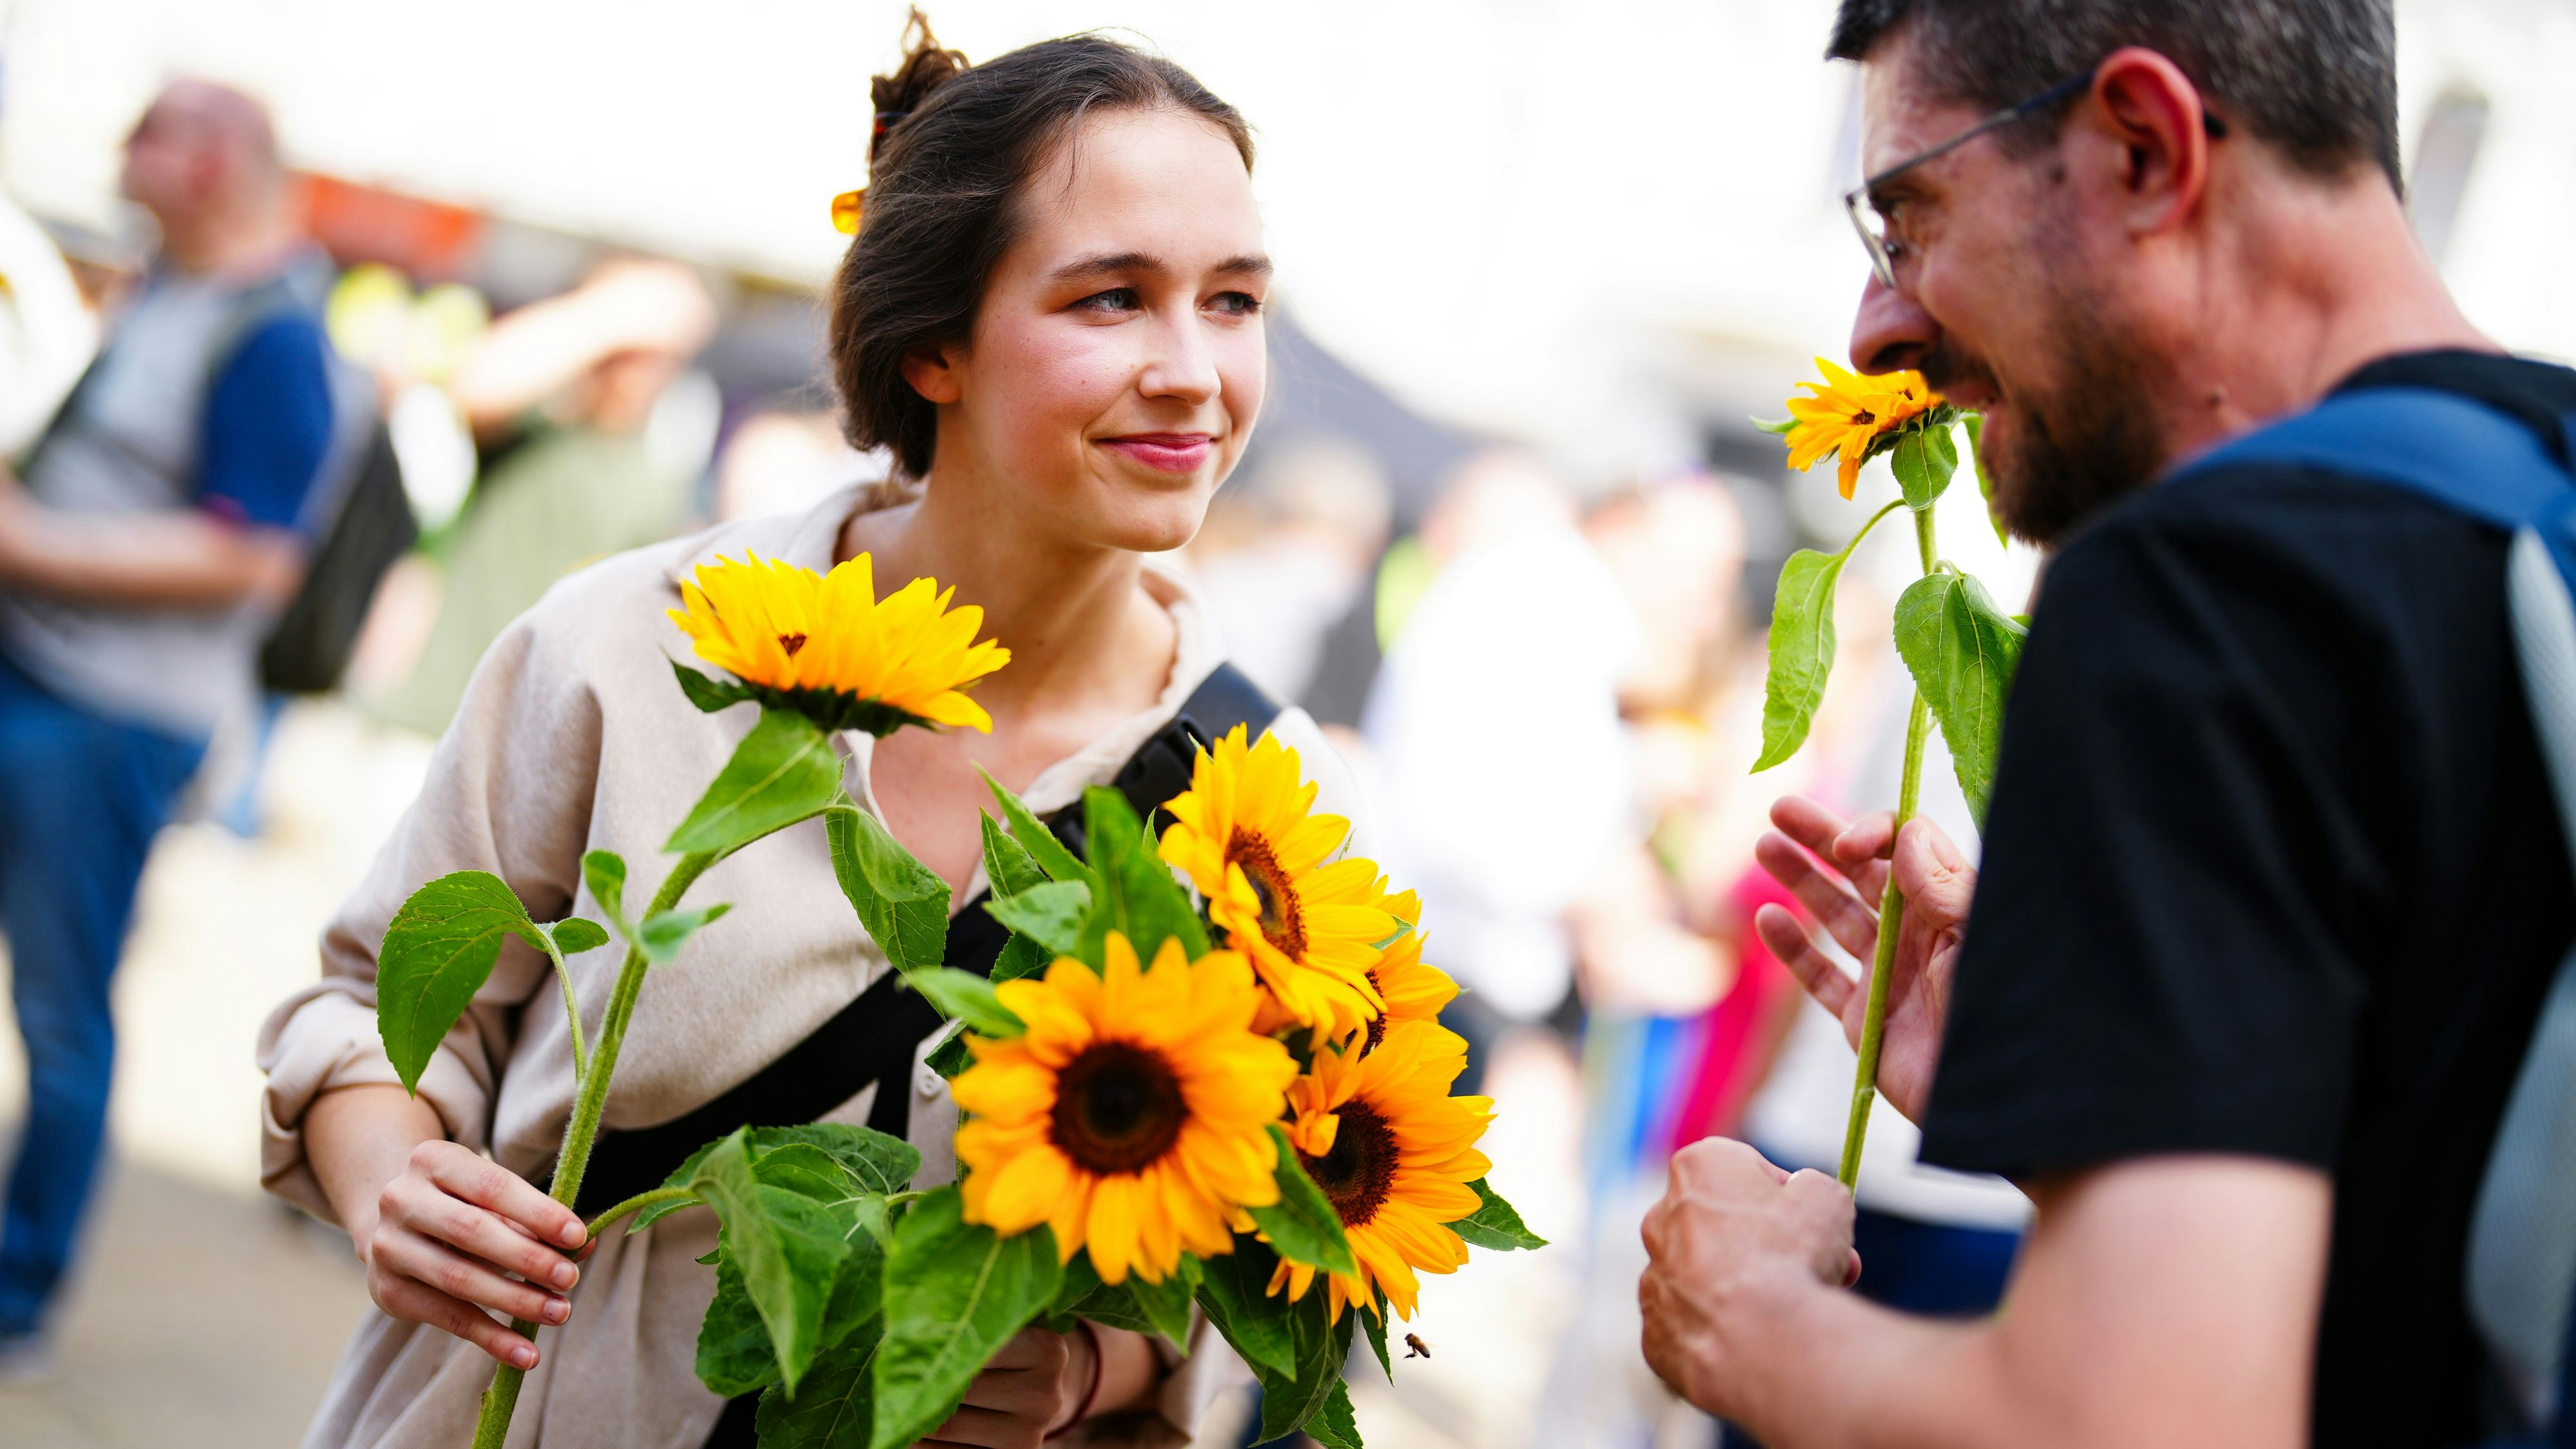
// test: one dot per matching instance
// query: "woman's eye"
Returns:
(1116, 299)
(1236, 304)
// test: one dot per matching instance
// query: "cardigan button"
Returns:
(925, 1080)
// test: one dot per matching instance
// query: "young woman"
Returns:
(1051, 316)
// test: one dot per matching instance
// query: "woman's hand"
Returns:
(442, 1229)
(1039, 1381)
(1938, 884)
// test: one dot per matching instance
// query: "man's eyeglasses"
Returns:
(1878, 234)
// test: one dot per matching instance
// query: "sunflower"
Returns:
(1133, 1116)
(1413, 989)
(1312, 925)
(1851, 412)
(1383, 1138)
(828, 648)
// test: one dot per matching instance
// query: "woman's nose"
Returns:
(1182, 365)
(1891, 331)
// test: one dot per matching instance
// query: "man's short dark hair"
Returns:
(2316, 79)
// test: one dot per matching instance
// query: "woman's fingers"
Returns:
(417, 1302)
(1835, 905)
(1787, 937)
(1829, 837)
(481, 1234)
(401, 1252)
(487, 1184)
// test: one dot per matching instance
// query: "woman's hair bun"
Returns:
(926, 67)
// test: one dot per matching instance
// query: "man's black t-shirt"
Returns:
(2272, 867)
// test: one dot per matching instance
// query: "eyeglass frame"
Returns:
(1881, 263)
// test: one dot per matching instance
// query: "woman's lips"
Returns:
(1165, 452)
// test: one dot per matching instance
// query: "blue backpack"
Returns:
(2520, 1278)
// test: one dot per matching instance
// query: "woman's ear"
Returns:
(933, 374)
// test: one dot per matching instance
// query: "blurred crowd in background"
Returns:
(1547, 672)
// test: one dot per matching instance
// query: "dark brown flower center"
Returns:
(1118, 1108)
(1281, 925)
(1360, 1170)
(1864, 418)
(1377, 1023)
(791, 643)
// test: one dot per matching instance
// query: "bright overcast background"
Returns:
(1578, 223)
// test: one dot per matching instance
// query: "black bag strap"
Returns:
(876, 1037)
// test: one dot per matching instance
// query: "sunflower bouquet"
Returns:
(1205, 1069)
(1959, 647)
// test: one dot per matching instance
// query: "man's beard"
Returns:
(2080, 445)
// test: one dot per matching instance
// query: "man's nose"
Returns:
(1891, 331)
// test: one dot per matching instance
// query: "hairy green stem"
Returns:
(592, 1098)
(638, 1203)
(1891, 909)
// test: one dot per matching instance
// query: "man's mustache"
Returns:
(1947, 365)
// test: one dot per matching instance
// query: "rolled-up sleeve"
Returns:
(509, 791)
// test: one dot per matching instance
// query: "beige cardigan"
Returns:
(574, 737)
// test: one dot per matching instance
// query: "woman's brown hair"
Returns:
(950, 150)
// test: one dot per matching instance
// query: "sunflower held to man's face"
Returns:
(826, 647)
(1850, 413)
(1312, 926)
(1380, 1134)
(1133, 1115)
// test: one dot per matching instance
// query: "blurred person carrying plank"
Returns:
(162, 525)
(2267, 999)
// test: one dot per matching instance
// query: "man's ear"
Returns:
(933, 375)
(2147, 107)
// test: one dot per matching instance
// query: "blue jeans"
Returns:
(80, 799)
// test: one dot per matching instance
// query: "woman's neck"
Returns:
(1081, 630)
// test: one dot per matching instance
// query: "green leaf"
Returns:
(1962, 651)
(1141, 1307)
(1008, 867)
(1289, 1403)
(604, 871)
(1374, 1325)
(1985, 481)
(1496, 1225)
(1050, 914)
(1778, 427)
(437, 952)
(835, 1408)
(1302, 1226)
(858, 1291)
(1802, 651)
(1137, 895)
(782, 772)
(804, 1169)
(1033, 835)
(734, 1352)
(1234, 1290)
(880, 1162)
(787, 1247)
(1021, 957)
(902, 903)
(573, 935)
(1333, 1425)
(966, 997)
(707, 692)
(1078, 1281)
(661, 936)
(951, 1057)
(1924, 460)
(955, 1292)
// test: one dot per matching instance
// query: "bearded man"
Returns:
(2273, 890)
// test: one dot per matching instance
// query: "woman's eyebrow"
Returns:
(1107, 264)
(1116, 263)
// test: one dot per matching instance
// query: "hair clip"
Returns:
(845, 212)
(885, 122)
